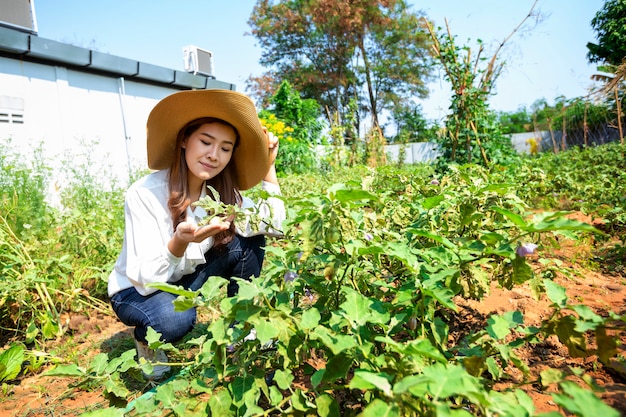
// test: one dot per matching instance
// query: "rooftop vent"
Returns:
(198, 61)
(18, 14)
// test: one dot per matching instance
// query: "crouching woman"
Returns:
(195, 139)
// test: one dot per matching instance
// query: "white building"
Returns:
(66, 98)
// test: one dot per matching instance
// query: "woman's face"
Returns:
(208, 150)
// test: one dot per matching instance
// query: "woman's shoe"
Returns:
(152, 356)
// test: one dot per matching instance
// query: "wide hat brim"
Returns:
(175, 111)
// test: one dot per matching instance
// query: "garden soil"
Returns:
(35, 395)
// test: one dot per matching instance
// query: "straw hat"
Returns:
(175, 111)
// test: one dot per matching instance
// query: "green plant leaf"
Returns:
(244, 390)
(491, 238)
(49, 325)
(283, 378)
(444, 295)
(310, 319)
(587, 319)
(445, 410)
(360, 310)
(380, 408)
(220, 403)
(212, 288)
(346, 196)
(494, 368)
(114, 385)
(607, 345)
(336, 342)
(275, 395)
(268, 330)
(415, 384)
(448, 380)
(522, 272)
(65, 370)
(582, 402)
(318, 377)
(172, 289)
(11, 361)
(327, 406)
(556, 293)
(366, 380)
(99, 363)
(182, 303)
(432, 202)
(513, 217)
(497, 327)
(550, 376)
(337, 367)
(557, 221)
(415, 348)
(433, 236)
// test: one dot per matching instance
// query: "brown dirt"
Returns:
(89, 334)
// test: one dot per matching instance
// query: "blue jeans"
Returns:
(241, 258)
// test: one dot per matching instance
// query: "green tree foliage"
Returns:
(302, 115)
(515, 122)
(337, 50)
(297, 123)
(609, 24)
(411, 125)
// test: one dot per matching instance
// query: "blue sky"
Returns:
(547, 61)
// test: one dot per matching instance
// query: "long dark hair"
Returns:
(225, 183)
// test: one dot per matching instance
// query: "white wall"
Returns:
(412, 153)
(74, 112)
(520, 140)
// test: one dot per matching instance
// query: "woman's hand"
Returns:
(188, 232)
(272, 144)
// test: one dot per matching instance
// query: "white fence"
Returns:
(413, 153)
(424, 152)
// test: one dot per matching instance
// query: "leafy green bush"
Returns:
(53, 259)
(588, 179)
(296, 122)
(355, 305)
(23, 185)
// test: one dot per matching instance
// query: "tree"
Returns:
(302, 115)
(336, 51)
(609, 24)
(395, 65)
(410, 123)
(471, 132)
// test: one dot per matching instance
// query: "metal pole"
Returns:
(122, 95)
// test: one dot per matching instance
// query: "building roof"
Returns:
(24, 46)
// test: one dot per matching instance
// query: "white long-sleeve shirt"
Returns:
(145, 257)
